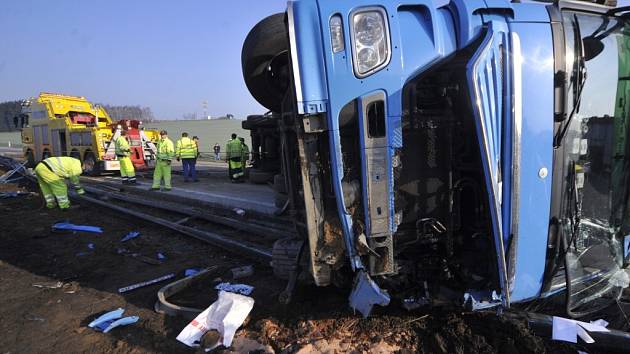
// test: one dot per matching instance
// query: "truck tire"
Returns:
(30, 158)
(90, 165)
(279, 185)
(259, 176)
(285, 257)
(265, 59)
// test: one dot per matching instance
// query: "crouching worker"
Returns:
(51, 174)
(127, 171)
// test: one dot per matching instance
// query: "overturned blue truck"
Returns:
(467, 152)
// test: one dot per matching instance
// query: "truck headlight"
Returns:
(370, 40)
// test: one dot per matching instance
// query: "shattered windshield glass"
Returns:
(596, 158)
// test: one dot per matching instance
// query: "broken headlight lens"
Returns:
(370, 41)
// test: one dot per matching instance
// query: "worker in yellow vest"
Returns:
(234, 158)
(187, 151)
(165, 153)
(127, 172)
(51, 174)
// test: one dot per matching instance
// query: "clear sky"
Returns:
(167, 55)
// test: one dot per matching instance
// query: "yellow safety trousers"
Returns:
(127, 172)
(162, 170)
(52, 187)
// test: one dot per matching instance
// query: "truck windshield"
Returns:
(596, 156)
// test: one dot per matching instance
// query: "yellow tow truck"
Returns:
(63, 125)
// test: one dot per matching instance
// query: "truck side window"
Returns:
(596, 151)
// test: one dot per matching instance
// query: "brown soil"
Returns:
(36, 320)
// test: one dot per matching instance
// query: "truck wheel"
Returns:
(265, 59)
(30, 158)
(90, 166)
(259, 176)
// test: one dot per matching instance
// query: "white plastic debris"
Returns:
(225, 316)
(239, 211)
(620, 278)
(235, 288)
(568, 330)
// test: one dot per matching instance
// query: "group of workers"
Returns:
(52, 172)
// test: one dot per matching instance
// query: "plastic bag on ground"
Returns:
(225, 315)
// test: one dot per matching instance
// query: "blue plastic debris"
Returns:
(129, 236)
(191, 271)
(66, 226)
(90, 246)
(366, 294)
(111, 320)
(121, 322)
(235, 288)
(161, 256)
(109, 316)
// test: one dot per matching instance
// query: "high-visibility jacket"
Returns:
(186, 148)
(165, 149)
(122, 147)
(65, 167)
(234, 149)
(245, 153)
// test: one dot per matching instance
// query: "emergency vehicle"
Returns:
(62, 125)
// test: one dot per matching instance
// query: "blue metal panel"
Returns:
(469, 23)
(486, 75)
(307, 51)
(432, 30)
(536, 153)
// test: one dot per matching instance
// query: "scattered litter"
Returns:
(235, 288)
(242, 272)
(49, 285)
(82, 254)
(111, 320)
(34, 318)
(161, 256)
(225, 315)
(145, 283)
(239, 211)
(620, 278)
(191, 271)
(66, 226)
(108, 316)
(138, 256)
(129, 236)
(568, 330)
(90, 246)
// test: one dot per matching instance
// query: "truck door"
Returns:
(59, 144)
(487, 76)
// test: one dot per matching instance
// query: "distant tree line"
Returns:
(129, 112)
(8, 111)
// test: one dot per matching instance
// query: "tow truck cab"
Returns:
(463, 151)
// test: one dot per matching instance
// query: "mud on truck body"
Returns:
(465, 152)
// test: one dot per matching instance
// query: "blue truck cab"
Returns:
(465, 152)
